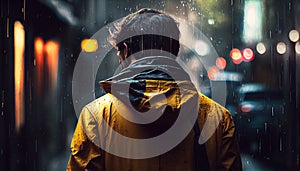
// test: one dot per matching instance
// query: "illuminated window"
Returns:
(252, 30)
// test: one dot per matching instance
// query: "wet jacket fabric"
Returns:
(145, 79)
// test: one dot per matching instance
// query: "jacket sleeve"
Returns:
(85, 155)
(230, 152)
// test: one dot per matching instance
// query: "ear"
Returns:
(125, 50)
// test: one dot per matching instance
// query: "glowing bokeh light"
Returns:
(248, 55)
(235, 54)
(89, 45)
(212, 71)
(39, 50)
(211, 21)
(238, 61)
(19, 46)
(39, 57)
(294, 35)
(261, 48)
(297, 47)
(281, 48)
(221, 63)
(52, 54)
(201, 48)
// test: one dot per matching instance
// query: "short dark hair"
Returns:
(146, 29)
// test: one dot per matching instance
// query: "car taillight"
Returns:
(247, 108)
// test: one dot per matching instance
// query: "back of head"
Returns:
(147, 29)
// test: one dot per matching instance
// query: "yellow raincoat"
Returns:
(220, 150)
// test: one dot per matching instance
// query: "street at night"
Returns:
(243, 54)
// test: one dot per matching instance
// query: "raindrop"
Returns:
(298, 159)
(2, 104)
(105, 46)
(272, 109)
(266, 127)
(259, 146)
(36, 145)
(83, 29)
(280, 144)
(7, 27)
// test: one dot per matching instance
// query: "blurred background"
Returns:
(253, 47)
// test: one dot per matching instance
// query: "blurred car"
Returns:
(258, 104)
(258, 115)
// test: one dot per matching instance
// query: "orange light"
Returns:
(39, 57)
(19, 46)
(212, 71)
(237, 61)
(39, 50)
(89, 45)
(52, 53)
(248, 55)
(221, 63)
(235, 54)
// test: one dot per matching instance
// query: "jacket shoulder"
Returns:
(211, 105)
(99, 105)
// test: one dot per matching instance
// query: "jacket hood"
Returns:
(151, 83)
